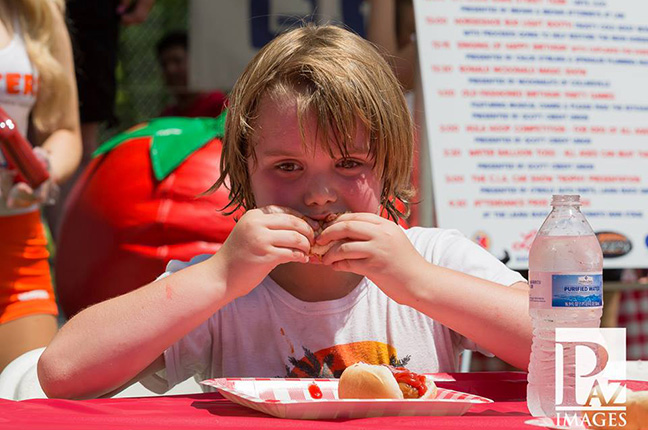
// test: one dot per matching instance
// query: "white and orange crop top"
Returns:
(18, 90)
(18, 80)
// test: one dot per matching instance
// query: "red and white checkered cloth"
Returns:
(633, 315)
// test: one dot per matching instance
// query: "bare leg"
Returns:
(24, 334)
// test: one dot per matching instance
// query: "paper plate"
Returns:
(291, 398)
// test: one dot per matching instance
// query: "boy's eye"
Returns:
(287, 167)
(348, 163)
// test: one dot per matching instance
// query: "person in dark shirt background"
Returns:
(173, 56)
(94, 27)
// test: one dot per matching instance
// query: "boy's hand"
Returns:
(261, 240)
(372, 246)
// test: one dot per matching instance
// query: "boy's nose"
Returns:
(319, 192)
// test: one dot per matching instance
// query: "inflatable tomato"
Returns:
(138, 205)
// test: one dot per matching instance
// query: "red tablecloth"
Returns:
(211, 410)
(633, 315)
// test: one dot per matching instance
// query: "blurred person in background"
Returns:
(38, 93)
(173, 56)
(94, 29)
(94, 26)
(391, 26)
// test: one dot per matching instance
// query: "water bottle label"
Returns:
(556, 290)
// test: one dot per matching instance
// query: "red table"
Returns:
(212, 411)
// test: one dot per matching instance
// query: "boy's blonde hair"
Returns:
(341, 79)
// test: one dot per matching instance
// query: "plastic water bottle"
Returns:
(565, 253)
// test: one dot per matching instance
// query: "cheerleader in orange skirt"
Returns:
(38, 92)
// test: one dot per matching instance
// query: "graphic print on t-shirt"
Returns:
(331, 362)
(18, 84)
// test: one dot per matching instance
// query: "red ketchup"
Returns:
(19, 153)
(415, 380)
(315, 391)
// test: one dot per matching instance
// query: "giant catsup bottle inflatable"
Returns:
(138, 205)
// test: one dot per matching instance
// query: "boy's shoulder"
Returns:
(446, 247)
(452, 249)
(432, 235)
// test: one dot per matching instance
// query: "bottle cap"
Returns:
(565, 200)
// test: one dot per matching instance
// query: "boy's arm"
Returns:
(152, 368)
(494, 316)
(108, 345)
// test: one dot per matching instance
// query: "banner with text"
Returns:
(225, 35)
(529, 98)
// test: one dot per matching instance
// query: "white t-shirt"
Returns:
(270, 333)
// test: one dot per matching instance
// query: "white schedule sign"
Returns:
(529, 98)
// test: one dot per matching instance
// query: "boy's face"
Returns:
(306, 178)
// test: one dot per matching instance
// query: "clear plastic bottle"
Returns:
(564, 253)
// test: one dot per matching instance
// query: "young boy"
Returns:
(317, 126)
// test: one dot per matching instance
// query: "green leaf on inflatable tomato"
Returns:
(173, 139)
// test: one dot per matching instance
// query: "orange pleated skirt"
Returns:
(25, 279)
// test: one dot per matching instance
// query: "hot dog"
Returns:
(368, 381)
(319, 250)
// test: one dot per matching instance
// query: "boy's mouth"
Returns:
(316, 250)
(324, 218)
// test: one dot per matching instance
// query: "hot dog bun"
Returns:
(368, 381)
(637, 408)
(319, 250)
(636, 414)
